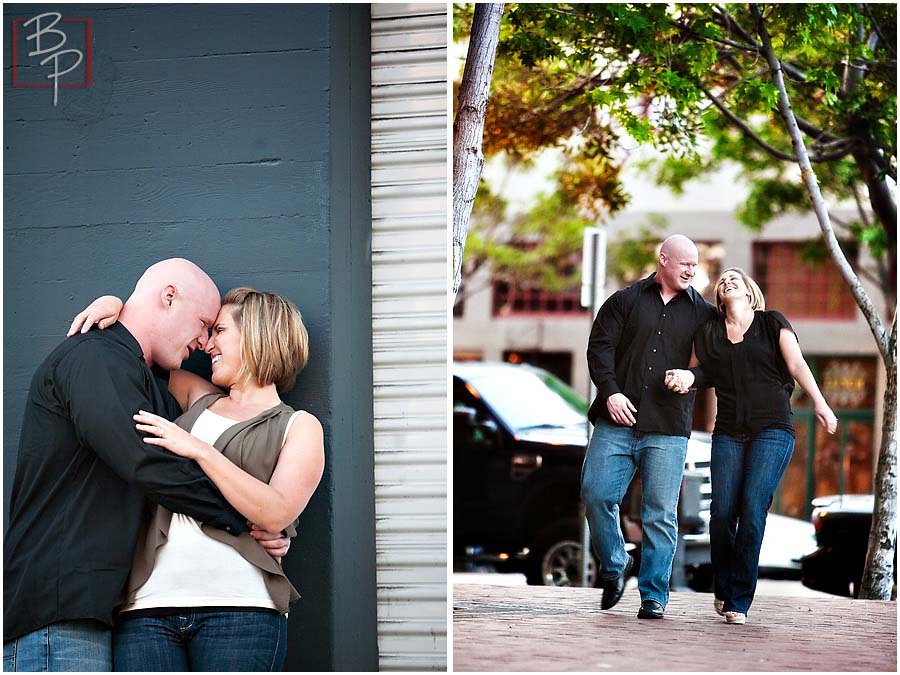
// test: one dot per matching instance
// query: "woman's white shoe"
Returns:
(735, 617)
(720, 606)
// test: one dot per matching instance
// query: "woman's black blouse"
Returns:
(753, 385)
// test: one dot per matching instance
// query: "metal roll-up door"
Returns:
(409, 322)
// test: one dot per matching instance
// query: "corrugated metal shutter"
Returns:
(409, 317)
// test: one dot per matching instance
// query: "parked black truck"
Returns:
(842, 525)
(519, 438)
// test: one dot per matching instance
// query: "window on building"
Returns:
(511, 298)
(798, 288)
(825, 464)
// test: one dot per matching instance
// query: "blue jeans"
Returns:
(82, 645)
(613, 455)
(745, 472)
(202, 641)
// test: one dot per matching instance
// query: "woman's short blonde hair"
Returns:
(757, 300)
(274, 341)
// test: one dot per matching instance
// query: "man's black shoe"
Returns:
(651, 609)
(613, 588)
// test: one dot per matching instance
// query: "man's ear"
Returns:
(168, 294)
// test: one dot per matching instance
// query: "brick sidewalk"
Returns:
(533, 628)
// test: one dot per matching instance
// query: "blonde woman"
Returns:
(752, 357)
(198, 598)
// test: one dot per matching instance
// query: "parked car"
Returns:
(519, 438)
(842, 524)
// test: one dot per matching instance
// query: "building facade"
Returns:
(551, 330)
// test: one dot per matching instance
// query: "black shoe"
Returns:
(651, 609)
(613, 588)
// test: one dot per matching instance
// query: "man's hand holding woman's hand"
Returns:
(175, 439)
(274, 543)
(679, 381)
(621, 410)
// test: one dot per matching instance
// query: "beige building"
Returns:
(551, 330)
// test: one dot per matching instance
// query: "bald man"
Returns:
(639, 333)
(83, 472)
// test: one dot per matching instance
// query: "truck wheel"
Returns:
(700, 578)
(555, 559)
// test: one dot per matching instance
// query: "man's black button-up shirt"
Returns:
(635, 339)
(83, 475)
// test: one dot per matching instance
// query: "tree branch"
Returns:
(837, 220)
(729, 23)
(877, 28)
(591, 82)
(809, 178)
(869, 276)
(863, 216)
(773, 151)
(815, 132)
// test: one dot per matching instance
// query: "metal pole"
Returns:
(593, 287)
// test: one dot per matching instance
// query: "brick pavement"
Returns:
(532, 628)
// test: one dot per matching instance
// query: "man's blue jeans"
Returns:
(613, 455)
(207, 641)
(83, 645)
(745, 472)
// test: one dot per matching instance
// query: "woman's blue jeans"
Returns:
(613, 455)
(207, 641)
(745, 472)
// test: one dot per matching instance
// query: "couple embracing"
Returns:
(651, 346)
(150, 508)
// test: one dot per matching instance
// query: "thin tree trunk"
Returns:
(879, 560)
(468, 127)
(877, 579)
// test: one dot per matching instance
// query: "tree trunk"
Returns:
(468, 127)
(877, 580)
(879, 561)
(885, 209)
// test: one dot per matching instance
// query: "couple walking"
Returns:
(140, 543)
(651, 346)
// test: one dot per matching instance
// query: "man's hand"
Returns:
(621, 409)
(679, 381)
(275, 544)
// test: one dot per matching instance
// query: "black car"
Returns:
(519, 438)
(842, 524)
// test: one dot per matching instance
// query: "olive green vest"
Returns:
(254, 446)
